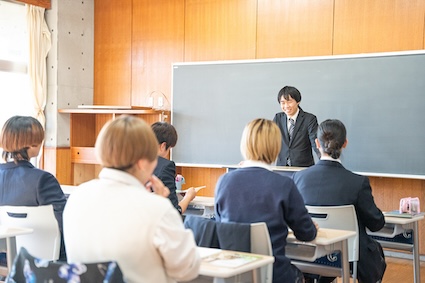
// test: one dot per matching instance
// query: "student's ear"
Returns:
(163, 147)
(345, 143)
(317, 143)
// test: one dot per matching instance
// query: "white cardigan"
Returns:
(116, 218)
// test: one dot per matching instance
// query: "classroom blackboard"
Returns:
(379, 97)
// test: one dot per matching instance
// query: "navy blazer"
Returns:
(166, 171)
(255, 194)
(329, 183)
(24, 185)
(299, 147)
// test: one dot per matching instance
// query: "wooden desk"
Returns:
(398, 225)
(326, 242)
(9, 234)
(212, 267)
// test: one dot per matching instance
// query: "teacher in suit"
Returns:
(329, 183)
(298, 130)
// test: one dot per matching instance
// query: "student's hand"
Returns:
(190, 194)
(157, 186)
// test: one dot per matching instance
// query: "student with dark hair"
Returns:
(328, 183)
(298, 129)
(166, 169)
(21, 184)
(254, 193)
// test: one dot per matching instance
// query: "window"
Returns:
(15, 91)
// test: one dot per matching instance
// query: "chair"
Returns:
(209, 233)
(27, 268)
(341, 217)
(44, 242)
(261, 244)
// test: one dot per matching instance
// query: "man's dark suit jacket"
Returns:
(166, 171)
(299, 147)
(329, 183)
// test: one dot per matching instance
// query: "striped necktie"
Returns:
(291, 127)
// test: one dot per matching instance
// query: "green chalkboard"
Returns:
(379, 97)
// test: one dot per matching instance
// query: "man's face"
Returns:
(289, 106)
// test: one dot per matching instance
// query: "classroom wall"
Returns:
(70, 68)
(136, 41)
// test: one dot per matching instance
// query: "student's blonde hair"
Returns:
(124, 141)
(261, 141)
(19, 133)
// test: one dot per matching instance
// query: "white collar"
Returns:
(327, 157)
(256, 163)
(119, 176)
(295, 115)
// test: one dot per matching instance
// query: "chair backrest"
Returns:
(341, 217)
(44, 242)
(261, 244)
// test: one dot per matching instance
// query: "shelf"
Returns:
(86, 122)
(111, 111)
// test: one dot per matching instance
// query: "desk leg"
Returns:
(11, 251)
(344, 262)
(416, 256)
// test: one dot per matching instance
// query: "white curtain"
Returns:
(39, 46)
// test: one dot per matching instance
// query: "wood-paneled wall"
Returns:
(137, 40)
(288, 28)
(112, 52)
(157, 42)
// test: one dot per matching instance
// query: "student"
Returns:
(298, 130)
(329, 183)
(166, 169)
(21, 184)
(253, 193)
(117, 217)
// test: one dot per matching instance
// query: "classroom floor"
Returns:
(399, 271)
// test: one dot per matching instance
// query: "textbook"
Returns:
(196, 190)
(230, 258)
(397, 213)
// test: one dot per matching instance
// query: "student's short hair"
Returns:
(19, 133)
(165, 133)
(124, 141)
(261, 141)
(289, 91)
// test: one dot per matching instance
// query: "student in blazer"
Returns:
(296, 151)
(329, 183)
(165, 170)
(254, 193)
(21, 184)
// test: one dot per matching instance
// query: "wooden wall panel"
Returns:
(288, 28)
(195, 177)
(220, 29)
(112, 52)
(365, 26)
(158, 41)
(57, 161)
